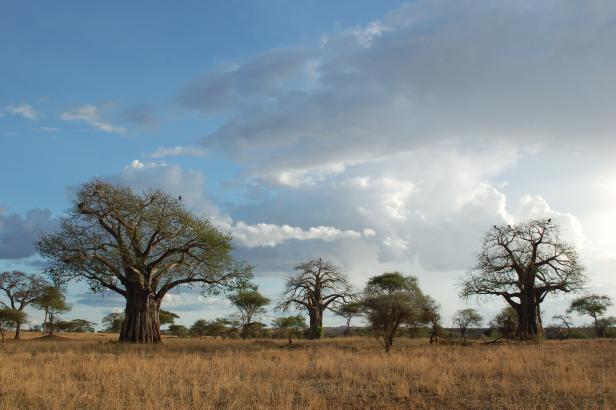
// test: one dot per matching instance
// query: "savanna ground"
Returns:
(92, 371)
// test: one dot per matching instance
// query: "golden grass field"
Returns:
(345, 373)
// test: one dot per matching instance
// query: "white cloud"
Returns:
(24, 110)
(176, 151)
(92, 115)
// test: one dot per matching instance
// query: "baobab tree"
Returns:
(20, 290)
(140, 246)
(318, 285)
(523, 264)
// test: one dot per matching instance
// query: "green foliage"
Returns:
(9, 318)
(219, 328)
(53, 303)
(113, 322)
(348, 311)
(75, 326)
(178, 330)
(289, 326)
(465, 319)
(506, 322)
(166, 317)
(390, 300)
(593, 306)
(199, 328)
(250, 304)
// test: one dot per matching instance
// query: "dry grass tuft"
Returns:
(336, 373)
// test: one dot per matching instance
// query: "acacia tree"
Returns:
(465, 319)
(140, 246)
(53, 303)
(349, 311)
(432, 314)
(9, 318)
(390, 300)
(20, 289)
(316, 286)
(290, 326)
(593, 306)
(524, 264)
(563, 321)
(113, 322)
(250, 304)
(199, 328)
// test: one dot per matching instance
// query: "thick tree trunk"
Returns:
(316, 324)
(142, 323)
(529, 320)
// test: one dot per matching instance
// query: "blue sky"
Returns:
(382, 135)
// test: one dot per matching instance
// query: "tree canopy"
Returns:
(140, 246)
(524, 263)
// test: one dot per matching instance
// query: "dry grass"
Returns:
(327, 374)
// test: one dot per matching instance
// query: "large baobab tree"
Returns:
(524, 264)
(140, 246)
(20, 290)
(317, 285)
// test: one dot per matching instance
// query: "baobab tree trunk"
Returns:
(529, 319)
(316, 323)
(142, 322)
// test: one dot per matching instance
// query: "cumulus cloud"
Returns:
(19, 233)
(426, 73)
(92, 115)
(177, 151)
(25, 111)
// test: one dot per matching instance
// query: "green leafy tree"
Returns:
(219, 328)
(349, 311)
(466, 319)
(605, 323)
(250, 304)
(316, 286)
(390, 300)
(290, 326)
(524, 264)
(113, 322)
(20, 290)
(140, 246)
(594, 306)
(506, 322)
(9, 318)
(199, 328)
(75, 326)
(178, 330)
(53, 303)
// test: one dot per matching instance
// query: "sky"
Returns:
(383, 136)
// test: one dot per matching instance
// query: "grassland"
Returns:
(329, 374)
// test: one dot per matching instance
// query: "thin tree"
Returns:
(53, 303)
(140, 246)
(166, 317)
(594, 306)
(316, 286)
(9, 318)
(432, 315)
(348, 311)
(524, 264)
(390, 300)
(178, 330)
(250, 304)
(20, 290)
(563, 321)
(466, 319)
